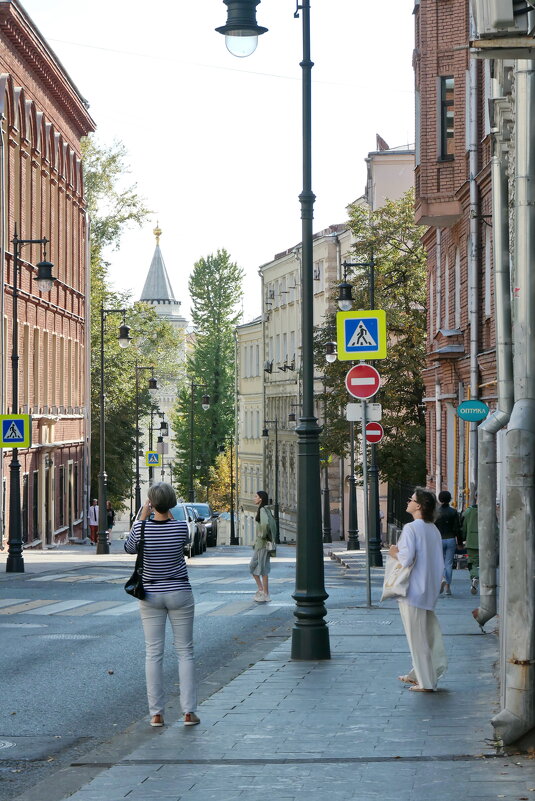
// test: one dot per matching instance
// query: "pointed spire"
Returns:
(157, 284)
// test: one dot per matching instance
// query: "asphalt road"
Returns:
(72, 654)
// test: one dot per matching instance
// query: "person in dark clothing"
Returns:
(449, 525)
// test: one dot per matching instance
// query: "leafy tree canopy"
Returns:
(390, 237)
(113, 207)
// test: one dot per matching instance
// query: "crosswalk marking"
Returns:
(22, 607)
(52, 608)
(205, 606)
(90, 608)
(231, 609)
(123, 609)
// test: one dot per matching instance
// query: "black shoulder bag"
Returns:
(134, 585)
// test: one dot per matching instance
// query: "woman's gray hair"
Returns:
(162, 496)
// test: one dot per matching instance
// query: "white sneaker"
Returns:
(267, 599)
(258, 596)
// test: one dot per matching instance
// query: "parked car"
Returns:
(181, 512)
(209, 518)
(199, 538)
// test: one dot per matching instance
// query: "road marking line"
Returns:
(231, 609)
(123, 609)
(74, 578)
(91, 608)
(52, 608)
(22, 607)
(205, 606)
(52, 577)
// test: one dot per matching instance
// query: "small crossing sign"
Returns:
(16, 430)
(152, 459)
(361, 334)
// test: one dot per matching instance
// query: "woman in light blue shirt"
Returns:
(420, 545)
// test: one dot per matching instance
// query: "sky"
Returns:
(214, 142)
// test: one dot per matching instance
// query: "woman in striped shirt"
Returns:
(167, 595)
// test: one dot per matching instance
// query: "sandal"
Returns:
(407, 680)
(417, 689)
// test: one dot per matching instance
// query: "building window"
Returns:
(488, 273)
(447, 118)
(35, 504)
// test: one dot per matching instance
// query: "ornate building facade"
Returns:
(43, 119)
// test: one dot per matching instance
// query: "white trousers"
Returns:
(179, 607)
(426, 644)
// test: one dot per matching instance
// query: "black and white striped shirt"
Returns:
(164, 566)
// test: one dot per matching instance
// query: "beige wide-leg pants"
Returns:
(426, 644)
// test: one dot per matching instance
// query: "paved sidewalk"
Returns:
(342, 729)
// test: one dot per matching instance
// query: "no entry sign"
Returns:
(374, 433)
(363, 381)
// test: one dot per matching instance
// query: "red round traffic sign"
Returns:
(374, 433)
(363, 381)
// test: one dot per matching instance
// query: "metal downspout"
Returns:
(487, 431)
(518, 631)
(473, 283)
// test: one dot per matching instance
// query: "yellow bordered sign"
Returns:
(15, 430)
(152, 459)
(361, 334)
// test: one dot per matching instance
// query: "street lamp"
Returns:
(45, 281)
(310, 635)
(153, 389)
(205, 405)
(234, 540)
(375, 557)
(265, 434)
(124, 341)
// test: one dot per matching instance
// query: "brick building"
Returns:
(43, 119)
(453, 197)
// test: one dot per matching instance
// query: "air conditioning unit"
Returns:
(496, 18)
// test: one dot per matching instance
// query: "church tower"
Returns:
(158, 293)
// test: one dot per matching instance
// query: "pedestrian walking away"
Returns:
(93, 521)
(110, 519)
(471, 537)
(168, 595)
(449, 525)
(420, 545)
(260, 564)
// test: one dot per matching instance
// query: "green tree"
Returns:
(114, 205)
(391, 236)
(215, 287)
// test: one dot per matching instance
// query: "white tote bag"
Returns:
(396, 580)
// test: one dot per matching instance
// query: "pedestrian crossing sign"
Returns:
(152, 459)
(361, 334)
(16, 430)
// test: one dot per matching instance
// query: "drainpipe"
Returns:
(518, 630)
(487, 431)
(473, 282)
(438, 437)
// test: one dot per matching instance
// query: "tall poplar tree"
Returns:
(215, 288)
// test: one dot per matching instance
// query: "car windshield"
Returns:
(178, 512)
(202, 508)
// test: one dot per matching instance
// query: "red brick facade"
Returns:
(461, 338)
(43, 121)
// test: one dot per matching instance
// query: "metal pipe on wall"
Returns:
(518, 630)
(473, 264)
(487, 432)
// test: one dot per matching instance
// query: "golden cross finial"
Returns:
(157, 233)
